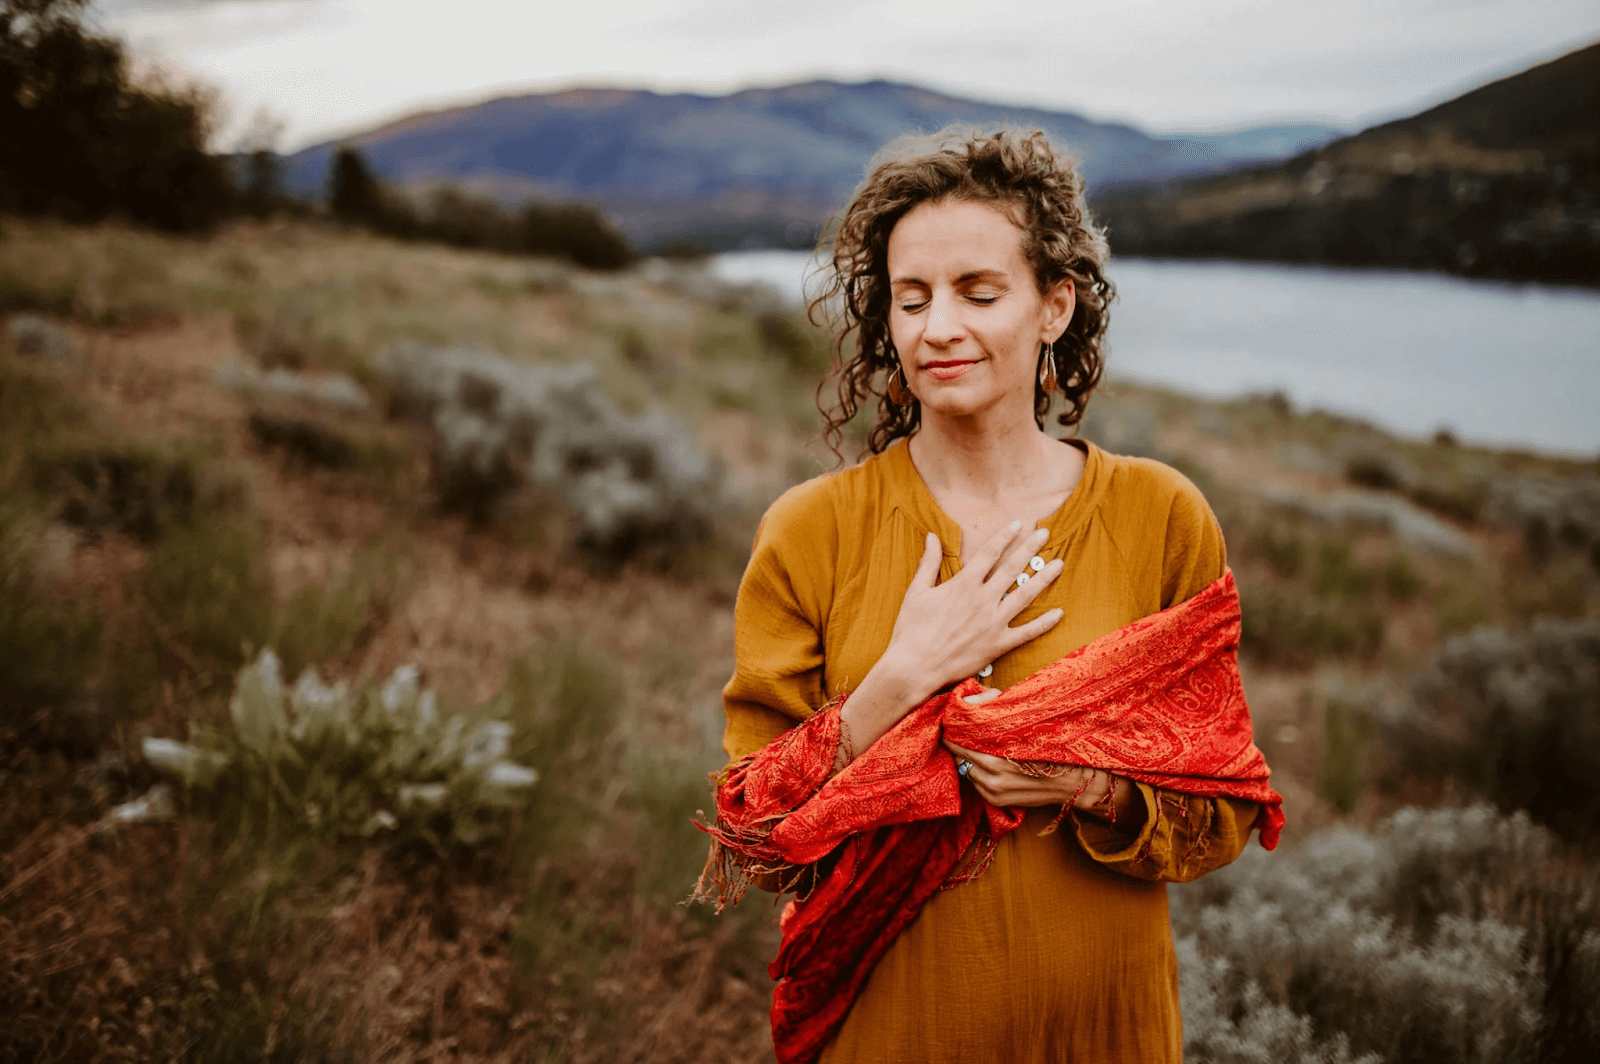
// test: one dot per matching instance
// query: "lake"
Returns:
(1500, 364)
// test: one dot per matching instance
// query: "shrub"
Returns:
(571, 231)
(1458, 496)
(1375, 469)
(635, 488)
(306, 439)
(49, 650)
(1457, 934)
(1281, 546)
(1262, 1032)
(116, 485)
(1291, 626)
(34, 337)
(1402, 580)
(804, 349)
(1553, 516)
(1309, 594)
(1511, 717)
(323, 758)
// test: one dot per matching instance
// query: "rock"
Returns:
(35, 337)
(634, 486)
(1410, 524)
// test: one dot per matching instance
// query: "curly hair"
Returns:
(1040, 190)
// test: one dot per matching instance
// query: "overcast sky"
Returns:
(329, 67)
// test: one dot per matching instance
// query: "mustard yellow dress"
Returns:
(1063, 950)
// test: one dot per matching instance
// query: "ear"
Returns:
(1059, 303)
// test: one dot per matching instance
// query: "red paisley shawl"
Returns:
(1159, 701)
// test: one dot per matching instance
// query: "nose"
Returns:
(943, 325)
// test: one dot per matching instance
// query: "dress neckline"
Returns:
(915, 500)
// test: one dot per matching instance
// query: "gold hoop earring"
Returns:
(1047, 367)
(899, 394)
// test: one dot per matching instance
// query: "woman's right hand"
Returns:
(947, 632)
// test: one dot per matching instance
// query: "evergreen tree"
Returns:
(574, 231)
(82, 141)
(261, 183)
(354, 192)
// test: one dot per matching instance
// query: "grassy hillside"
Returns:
(205, 450)
(1502, 182)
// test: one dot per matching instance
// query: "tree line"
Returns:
(86, 141)
(449, 215)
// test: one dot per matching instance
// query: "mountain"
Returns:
(762, 165)
(1502, 182)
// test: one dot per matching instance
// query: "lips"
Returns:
(947, 370)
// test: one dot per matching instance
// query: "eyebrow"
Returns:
(970, 275)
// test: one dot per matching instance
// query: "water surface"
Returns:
(1513, 365)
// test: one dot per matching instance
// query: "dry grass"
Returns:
(317, 956)
(287, 950)
(302, 296)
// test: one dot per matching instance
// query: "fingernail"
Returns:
(1014, 525)
(1055, 565)
(1041, 533)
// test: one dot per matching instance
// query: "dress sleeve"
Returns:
(1180, 836)
(1193, 552)
(779, 618)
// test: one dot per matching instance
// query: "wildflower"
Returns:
(154, 804)
(503, 780)
(423, 796)
(189, 765)
(401, 689)
(489, 741)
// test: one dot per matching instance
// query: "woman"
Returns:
(971, 544)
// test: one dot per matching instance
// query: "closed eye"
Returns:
(983, 300)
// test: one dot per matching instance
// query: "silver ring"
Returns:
(963, 767)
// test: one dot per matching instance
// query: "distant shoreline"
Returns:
(1410, 352)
